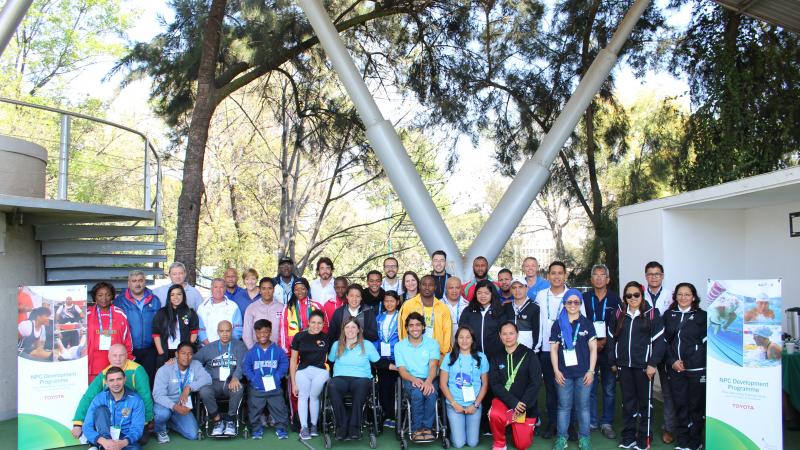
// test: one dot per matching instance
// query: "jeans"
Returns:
(423, 409)
(606, 380)
(186, 425)
(102, 424)
(574, 392)
(464, 428)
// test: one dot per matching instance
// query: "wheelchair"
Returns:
(372, 415)
(403, 413)
(206, 426)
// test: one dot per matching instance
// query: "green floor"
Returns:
(8, 435)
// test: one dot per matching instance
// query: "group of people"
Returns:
(482, 347)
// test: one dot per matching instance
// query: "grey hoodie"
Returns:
(212, 358)
(167, 386)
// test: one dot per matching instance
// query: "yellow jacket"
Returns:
(442, 322)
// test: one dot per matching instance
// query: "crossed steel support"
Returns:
(10, 17)
(406, 181)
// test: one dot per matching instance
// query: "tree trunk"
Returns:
(205, 104)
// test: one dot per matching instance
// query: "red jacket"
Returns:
(120, 334)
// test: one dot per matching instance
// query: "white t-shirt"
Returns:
(322, 294)
(550, 305)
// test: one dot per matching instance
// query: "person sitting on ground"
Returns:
(352, 374)
(136, 379)
(417, 358)
(172, 391)
(223, 360)
(115, 419)
(309, 373)
(265, 365)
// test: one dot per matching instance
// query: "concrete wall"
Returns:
(20, 263)
(29, 163)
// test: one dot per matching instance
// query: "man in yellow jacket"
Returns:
(438, 324)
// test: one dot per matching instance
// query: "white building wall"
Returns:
(641, 240)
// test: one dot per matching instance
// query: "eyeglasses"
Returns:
(390, 266)
(634, 295)
(654, 275)
(572, 302)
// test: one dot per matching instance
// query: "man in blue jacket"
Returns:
(115, 419)
(140, 306)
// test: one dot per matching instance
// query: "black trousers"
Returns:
(387, 381)
(637, 405)
(348, 423)
(689, 397)
(551, 394)
(147, 358)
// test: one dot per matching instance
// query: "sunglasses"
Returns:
(572, 302)
(634, 295)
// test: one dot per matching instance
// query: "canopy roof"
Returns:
(784, 13)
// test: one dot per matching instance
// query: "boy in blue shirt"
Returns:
(417, 359)
(265, 365)
(115, 418)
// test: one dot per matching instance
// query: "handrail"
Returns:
(156, 204)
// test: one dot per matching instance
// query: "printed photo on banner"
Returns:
(50, 329)
(762, 345)
(762, 309)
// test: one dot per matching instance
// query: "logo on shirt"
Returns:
(125, 412)
(501, 366)
(583, 333)
(271, 364)
(320, 343)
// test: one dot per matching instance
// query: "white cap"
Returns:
(520, 280)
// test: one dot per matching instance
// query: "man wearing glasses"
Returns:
(657, 297)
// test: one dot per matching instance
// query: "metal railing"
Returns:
(151, 203)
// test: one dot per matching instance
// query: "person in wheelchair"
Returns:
(464, 381)
(417, 359)
(515, 377)
(308, 372)
(352, 374)
(223, 360)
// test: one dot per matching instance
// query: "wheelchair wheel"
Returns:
(445, 443)
(373, 441)
(326, 439)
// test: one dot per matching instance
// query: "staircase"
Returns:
(88, 253)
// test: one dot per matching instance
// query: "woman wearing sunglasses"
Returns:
(636, 337)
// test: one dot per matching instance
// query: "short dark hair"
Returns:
(556, 263)
(505, 270)
(114, 369)
(356, 287)
(266, 280)
(374, 272)
(324, 260)
(505, 324)
(315, 312)
(261, 324)
(439, 252)
(40, 311)
(185, 344)
(338, 279)
(654, 265)
(104, 285)
(393, 259)
(480, 257)
(414, 316)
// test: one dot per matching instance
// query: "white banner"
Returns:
(743, 400)
(52, 371)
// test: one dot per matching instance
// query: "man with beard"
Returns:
(390, 281)
(322, 289)
(504, 278)
(440, 275)
(480, 268)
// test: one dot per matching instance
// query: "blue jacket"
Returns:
(259, 362)
(241, 298)
(140, 322)
(393, 337)
(127, 413)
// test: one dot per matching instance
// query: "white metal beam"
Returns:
(10, 17)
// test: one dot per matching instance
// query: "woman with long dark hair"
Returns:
(484, 316)
(296, 313)
(637, 344)
(173, 324)
(685, 330)
(410, 285)
(464, 381)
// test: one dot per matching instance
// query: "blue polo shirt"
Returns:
(463, 371)
(584, 335)
(353, 362)
(416, 359)
(540, 284)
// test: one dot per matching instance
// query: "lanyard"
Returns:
(110, 320)
(656, 295)
(548, 305)
(185, 377)
(228, 352)
(392, 326)
(112, 405)
(517, 311)
(511, 371)
(594, 305)
(260, 358)
(575, 337)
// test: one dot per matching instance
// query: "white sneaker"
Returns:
(219, 428)
(162, 437)
(230, 428)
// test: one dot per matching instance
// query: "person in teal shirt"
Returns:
(464, 381)
(352, 373)
(417, 359)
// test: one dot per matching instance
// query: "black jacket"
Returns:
(486, 328)
(366, 317)
(188, 322)
(373, 301)
(685, 333)
(525, 387)
(527, 320)
(640, 342)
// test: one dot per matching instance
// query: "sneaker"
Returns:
(607, 431)
(584, 443)
(305, 434)
(312, 430)
(627, 444)
(487, 433)
(219, 428)
(389, 423)
(258, 434)
(162, 437)
(230, 428)
(593, 427)
(281, 433)
(561, 443)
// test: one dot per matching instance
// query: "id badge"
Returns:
(224, 373)
(105, 342)
(468, 392)
(386, 349)
(115, 433)
(172, 344)
(188, 401)
(526, 338)
(600, 329)
(570, 358)
(269, 383)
